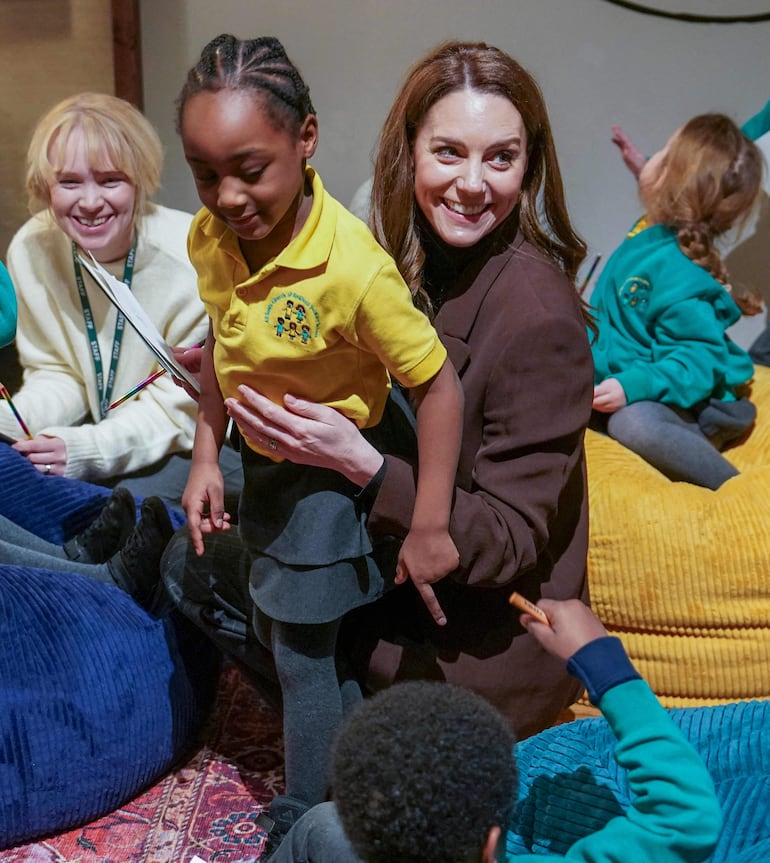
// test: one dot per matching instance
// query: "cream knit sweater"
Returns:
(58, 396)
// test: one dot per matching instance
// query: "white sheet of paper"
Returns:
(121, 297)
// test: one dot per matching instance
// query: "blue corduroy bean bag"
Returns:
(98, 698)
(570, 785)
(52, 507)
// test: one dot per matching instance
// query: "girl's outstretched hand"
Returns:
(203, 503)
(571, 626)
(748, 300)
(426, 556)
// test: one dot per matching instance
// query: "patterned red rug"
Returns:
(206, 807)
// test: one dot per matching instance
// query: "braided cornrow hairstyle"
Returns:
(711, 176)
(257, 65)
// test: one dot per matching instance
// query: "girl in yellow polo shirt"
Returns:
(303, 301)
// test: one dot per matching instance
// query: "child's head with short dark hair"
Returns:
(421, 773)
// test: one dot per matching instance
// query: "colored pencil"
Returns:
(140, 386)
(7, 396)
(146, 382)
(591, 271)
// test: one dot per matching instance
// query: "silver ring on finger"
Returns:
(47, 469)
(272, 444)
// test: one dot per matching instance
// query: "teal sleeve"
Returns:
(7, 308)
(689, 354)
(675, 816)
(758, 124)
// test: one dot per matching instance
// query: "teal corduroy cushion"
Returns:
(570, 785)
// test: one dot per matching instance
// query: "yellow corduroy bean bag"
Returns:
(681, 574)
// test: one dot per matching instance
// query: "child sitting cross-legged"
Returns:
(668, 377)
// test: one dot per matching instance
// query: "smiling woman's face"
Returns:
(93, 205)
(470, 157)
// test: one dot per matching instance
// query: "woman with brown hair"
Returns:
(468, 199)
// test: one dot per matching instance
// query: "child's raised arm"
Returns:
(203, 498)
(428, 553)
(632, 156)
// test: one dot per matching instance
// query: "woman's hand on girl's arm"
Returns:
(609, 396)
(306, 433)
(43, 452)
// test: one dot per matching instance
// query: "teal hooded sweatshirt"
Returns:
(662, 323)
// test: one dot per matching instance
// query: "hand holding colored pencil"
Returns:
(7, 396)
(145, 383)
(523, 604)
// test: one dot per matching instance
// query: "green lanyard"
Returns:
(104, 391)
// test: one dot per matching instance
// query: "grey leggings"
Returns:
(314, 699)
(19, 547)
(671, 440)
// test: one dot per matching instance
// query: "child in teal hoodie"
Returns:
(7, 308)
(425, 771)
(667, 375)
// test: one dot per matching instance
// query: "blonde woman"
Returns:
(94, 162)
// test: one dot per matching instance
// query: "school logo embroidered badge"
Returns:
(293, 318)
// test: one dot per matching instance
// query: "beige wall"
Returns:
(49, 49)
(597, 63)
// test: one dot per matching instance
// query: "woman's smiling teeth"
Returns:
(92, 223)
(464, 210)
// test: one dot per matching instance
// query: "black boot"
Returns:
(277, 820)
(136, 567)
(107, 532)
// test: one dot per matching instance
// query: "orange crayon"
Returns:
(523, 604)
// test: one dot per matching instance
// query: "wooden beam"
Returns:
(127, 51)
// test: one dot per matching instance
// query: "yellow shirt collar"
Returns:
(308, 250)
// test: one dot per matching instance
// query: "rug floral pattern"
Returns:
(206, 807)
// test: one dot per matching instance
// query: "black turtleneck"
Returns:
(444, 263)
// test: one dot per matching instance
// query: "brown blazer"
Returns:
(513, 329)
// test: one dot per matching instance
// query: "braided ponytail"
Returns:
(696, 241)
(710, 178)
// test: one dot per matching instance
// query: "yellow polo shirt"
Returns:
(325, 320)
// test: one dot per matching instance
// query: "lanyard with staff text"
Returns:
(104, 390)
